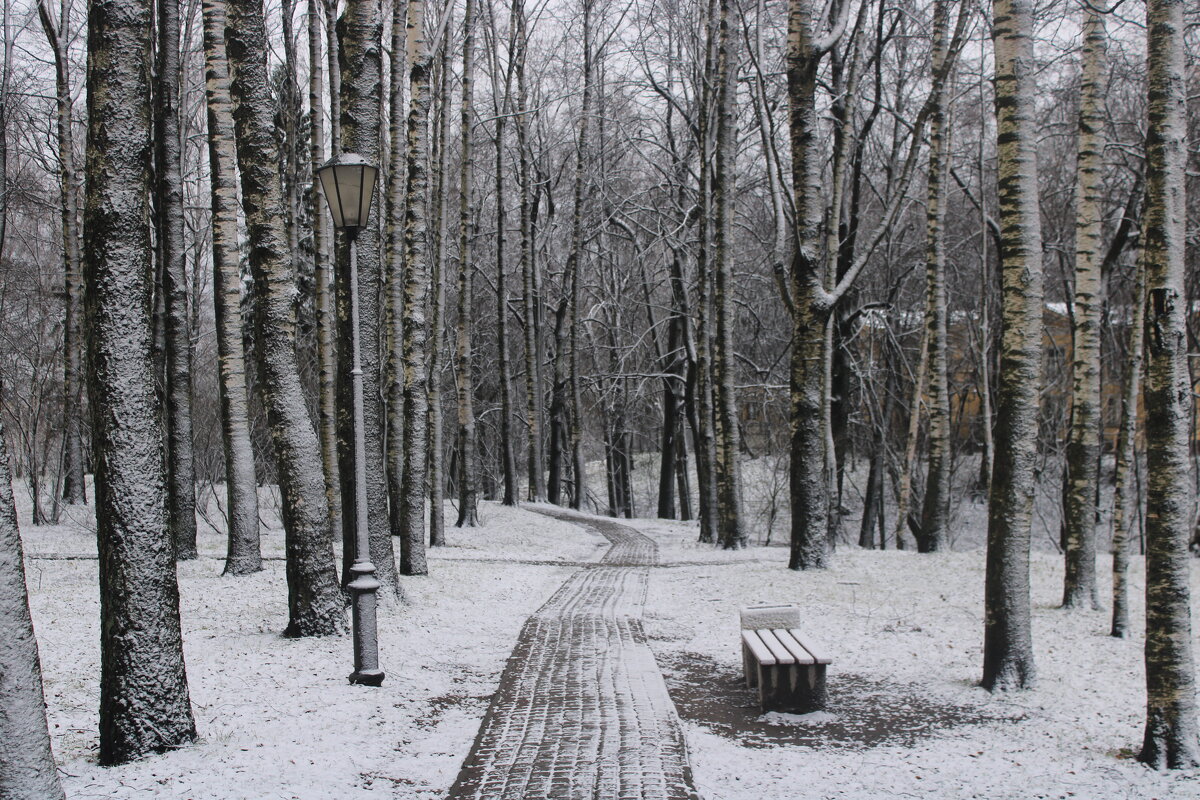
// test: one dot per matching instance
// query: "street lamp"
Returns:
(348, 182)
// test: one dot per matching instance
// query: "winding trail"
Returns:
(582, 710)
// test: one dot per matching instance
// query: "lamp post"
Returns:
(348, 183)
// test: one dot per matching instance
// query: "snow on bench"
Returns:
(787, 667)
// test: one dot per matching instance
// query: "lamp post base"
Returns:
(367, 677)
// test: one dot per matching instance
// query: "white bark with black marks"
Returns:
(1172, 735)
(1008, 639)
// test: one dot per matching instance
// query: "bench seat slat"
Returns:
(819, 654)
(781, 653)
(802, 656)
(760, 651)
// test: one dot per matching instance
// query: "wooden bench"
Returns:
(787, 667)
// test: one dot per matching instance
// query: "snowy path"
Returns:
(582, 710)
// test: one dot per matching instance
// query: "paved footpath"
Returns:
(582, 710)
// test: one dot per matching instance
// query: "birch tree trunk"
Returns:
(181, 477)
(315, 604)
(935, 512)
(323, 245)
(1125, 495)
(360, 32)
(1081, 476)
(397, 178)
(1008, 642)
(28, 771)
(144, 704)
(437, 477)
(573, 269)
(1172, 736)
(531, 299)
(729, 529)
(468, 512)
(73, 489)
(416, 293)
(808, 489)
(244, 554)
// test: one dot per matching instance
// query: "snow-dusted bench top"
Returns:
(787, 667)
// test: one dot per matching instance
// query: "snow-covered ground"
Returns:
(277, 718)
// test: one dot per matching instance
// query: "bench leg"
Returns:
(792, 688)
(749, 667)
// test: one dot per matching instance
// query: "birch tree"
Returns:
(181, 478)
(57, 34)
(416, 293)
(1083, 447)
(244, 553)
(361, 67)
(1172, 735)
(315, 604)
(1008, 642)
(144, 704)
(468, 512)
(729, 490)
(28, 771)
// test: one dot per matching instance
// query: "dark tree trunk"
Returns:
(181, 478)
(144, 705)
(359, 33)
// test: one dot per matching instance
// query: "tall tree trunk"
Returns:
(397, 183)
(508, 457)
(73, 488)
(703, 394)
(360, 31)
(416, 293)
(1008, 641)
(531, 299)
(729, 491)
(244, 553)
(314, 600)
(935, 513)
(437, 478)
(468, 511)
(1082, 474)
(144, 704)
(1172, 738)
(1126, 497)
(29, 772)
(573, 268)
(558, 406)
(808, 489)
(181, 475)
(905, 491)
(323, 245)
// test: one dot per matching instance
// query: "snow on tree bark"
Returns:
(181, 477)
(1008, 642)
(935, 511)
(244, 554)
(360, 32)
(315, 605)
(323, 241)
(416, 293)
(57, 34)
(468, 511)
(730, 533)
(1082, 473)
(27, 770)
(144, 705)
(1172, 735)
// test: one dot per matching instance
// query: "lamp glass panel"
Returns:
(330, 188)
